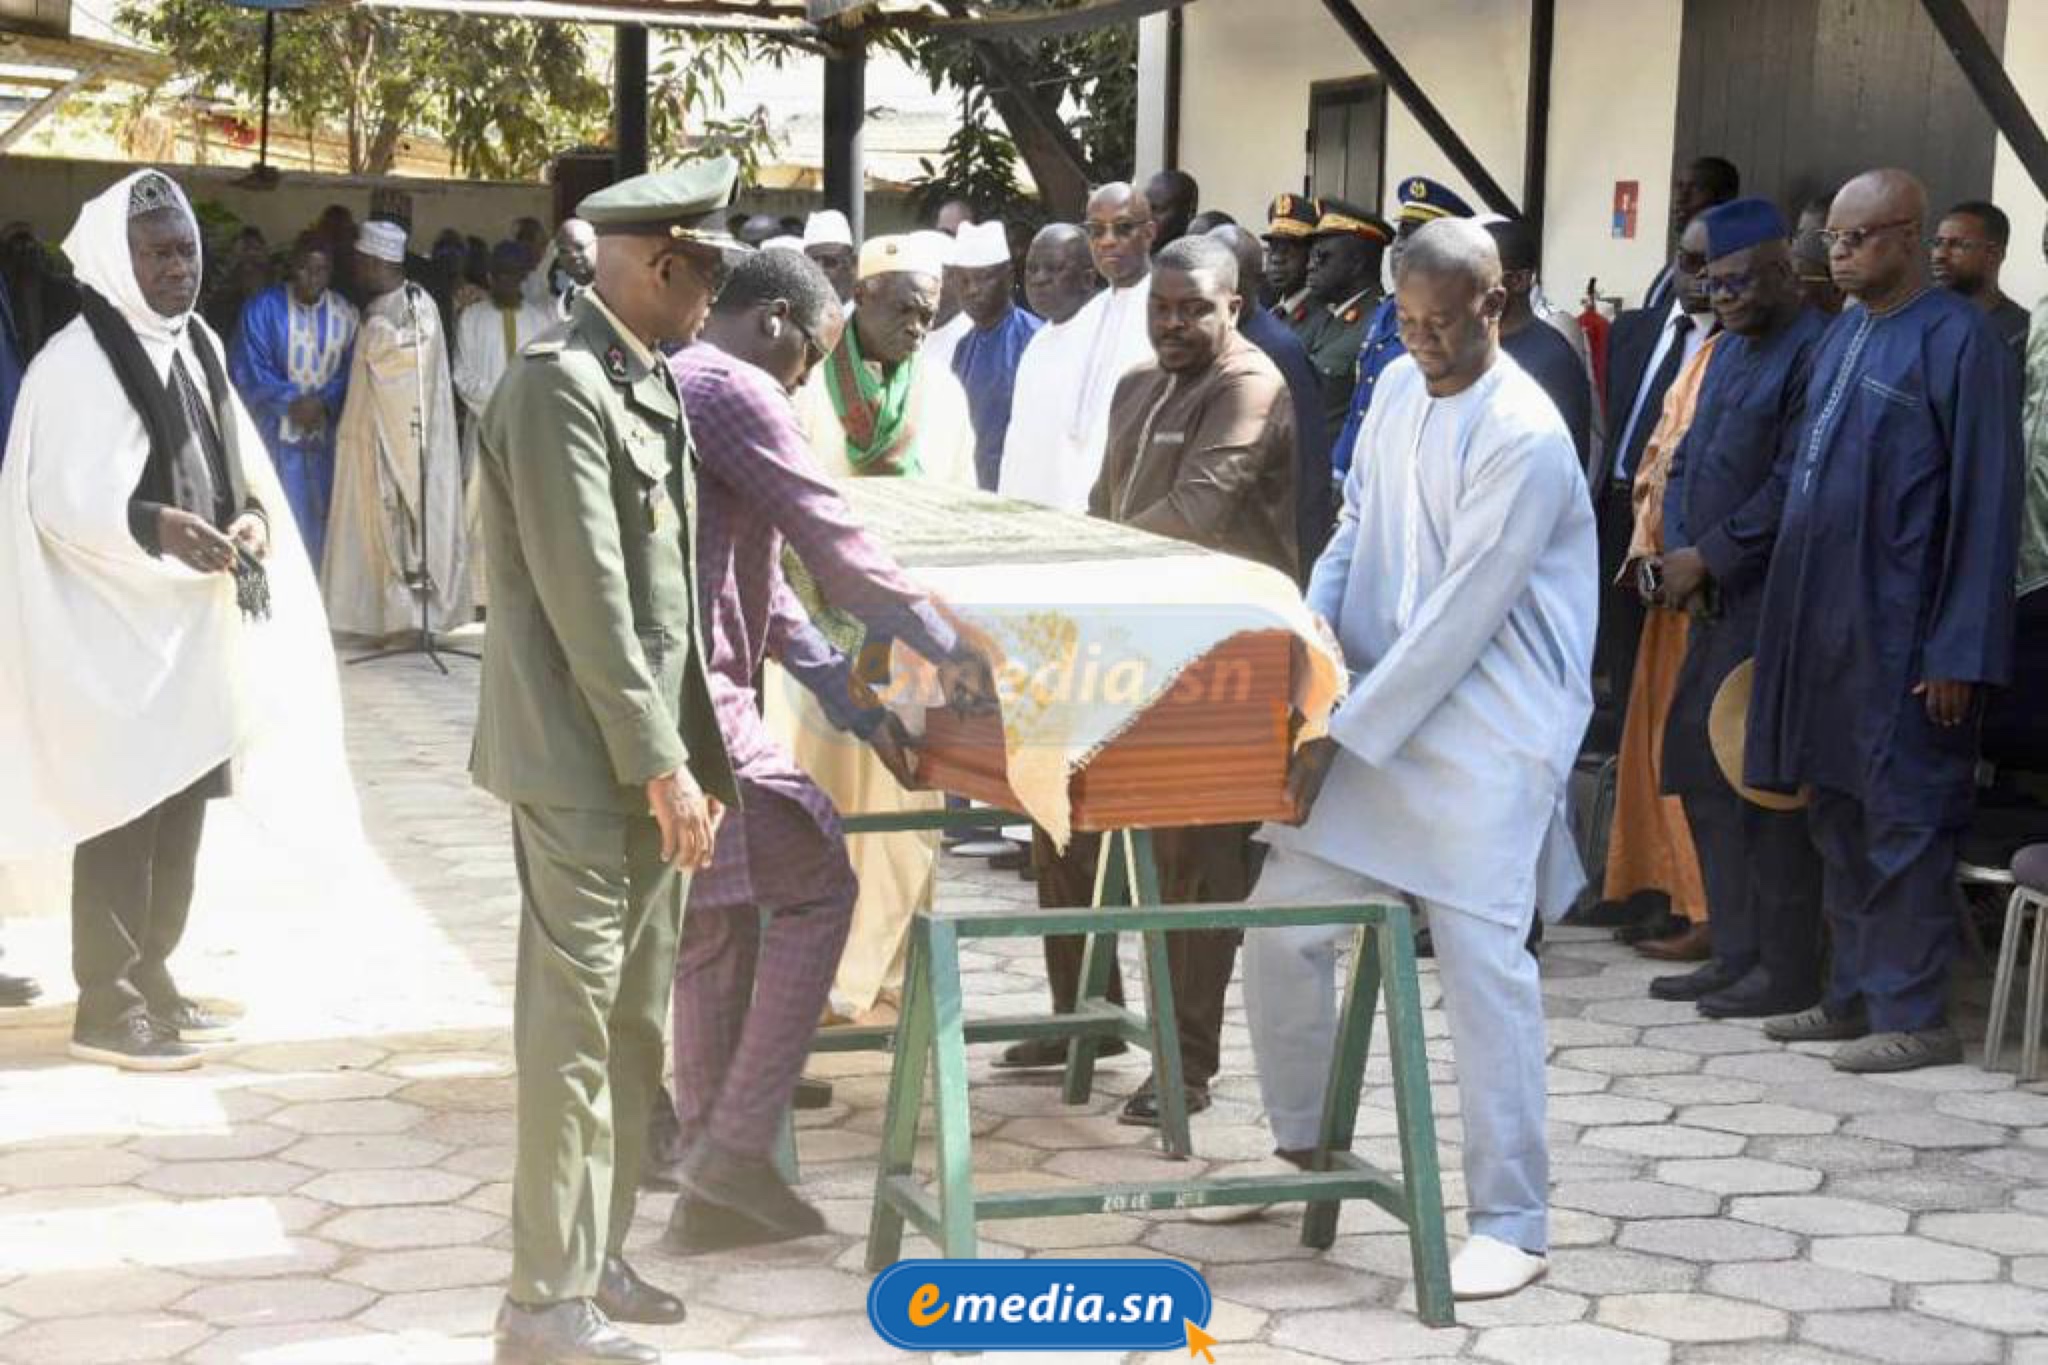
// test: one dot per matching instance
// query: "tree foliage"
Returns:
(1091, 77)
(691, 77)
(504, 95)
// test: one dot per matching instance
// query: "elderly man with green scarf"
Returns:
(878, 406)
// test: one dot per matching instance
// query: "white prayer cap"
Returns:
(913, 252)
(981, 245)
(382, 241)
(944, 243)
(784, 243)
(827, 227)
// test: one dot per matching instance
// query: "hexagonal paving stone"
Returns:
(1708, 1039)
(1912, 1260)
(1201, 1243)
(1536, 1306)
(217, 1179)
(394, 1228)
(1848, 1095)
(1604, 1270)
(1935, 1185)
(1578, 1343)
(77, 1166)
(1690, 1317)
(300, 1343)
(2008, 1234)
(1634, 1199)
(1924, 1130)
(1684, 1090)
(365, 1189)
(357, 1153)
(1666, 1140)
(1798, 1286)
(1816, 1215)
(1775, 1067)
(1601, 1109)
(1833, 1152)
(1707, 1239)
(1628, 1061)
(2004, 1308)
(266, 1302)
(106, 1339)
(2013, 1108)
(393, 1272)
(1291, 1284)
(1757, 1119)
(1372, 1334)
(1739, 1175)
(308, 1056)
(1903, 1338)
(448, 1312)
(83, 1293)
(243, 1141)
(351, 1116)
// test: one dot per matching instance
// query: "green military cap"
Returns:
(684, 202)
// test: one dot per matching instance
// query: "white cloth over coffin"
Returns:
(125, 678)
(1083, 648)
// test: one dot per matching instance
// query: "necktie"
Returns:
(1653, 397)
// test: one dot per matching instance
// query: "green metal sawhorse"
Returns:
(931, 1037)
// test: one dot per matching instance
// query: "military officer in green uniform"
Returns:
(597, 728)
(1344, 288)
(1290, 218)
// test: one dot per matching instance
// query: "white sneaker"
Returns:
(1276, 1166)
(1488, 1268)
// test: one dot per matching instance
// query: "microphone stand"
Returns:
(421, 579)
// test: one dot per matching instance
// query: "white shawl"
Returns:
(124, 678)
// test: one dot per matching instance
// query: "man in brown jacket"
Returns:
(1201, 448)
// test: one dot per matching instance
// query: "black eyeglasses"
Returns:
(1730, 285)
(1852, 239)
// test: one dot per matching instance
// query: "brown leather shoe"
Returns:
(1687, 945)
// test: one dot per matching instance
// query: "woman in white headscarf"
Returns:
(165, 632)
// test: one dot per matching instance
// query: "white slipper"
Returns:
(1276, 1166)
(1488, 1268)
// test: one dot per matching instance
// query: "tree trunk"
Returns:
(383, 150)
(1055, 158)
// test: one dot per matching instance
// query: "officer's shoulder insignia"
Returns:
(1351, 315)
(615, 360)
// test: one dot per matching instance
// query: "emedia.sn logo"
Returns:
(1042, 1306)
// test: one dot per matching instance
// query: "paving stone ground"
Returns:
(332, 1189)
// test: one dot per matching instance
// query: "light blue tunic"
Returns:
(1462, 584)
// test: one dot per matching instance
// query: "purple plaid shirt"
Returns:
(757, 488)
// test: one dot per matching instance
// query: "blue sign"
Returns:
(1041, 1305)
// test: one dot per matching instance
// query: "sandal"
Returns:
(1885, 1052)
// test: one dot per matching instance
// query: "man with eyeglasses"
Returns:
(748, 995)
(1966, 253)
(1105, 341)
(879, 405)
(1722, 501)
(1886, 617)
(597, 727)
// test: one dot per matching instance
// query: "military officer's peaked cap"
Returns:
(1340, 219)
(1292, 216)
(686, 202)
(1424, 200)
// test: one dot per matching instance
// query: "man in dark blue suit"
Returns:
(1315, 510)
(1702, 183)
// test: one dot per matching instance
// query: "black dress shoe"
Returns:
(750, 1185)
(17, 991)
(1142, 1109)
(572, 1332)
(1702, 980)
(1035, 1054)
(1756, 996)
(811, 1093)
(1607, 914)
(623, 1296)
(188, 1021)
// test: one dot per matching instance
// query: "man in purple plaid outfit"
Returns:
(749, 990)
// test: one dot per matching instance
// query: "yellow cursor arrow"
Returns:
(1199, 1342)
